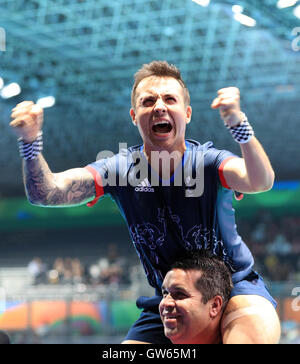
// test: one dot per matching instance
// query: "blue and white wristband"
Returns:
(243, 132)
(30, 151)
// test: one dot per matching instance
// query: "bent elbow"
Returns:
(35, 199)
(271, 180)
(267, 184)
(266, 188)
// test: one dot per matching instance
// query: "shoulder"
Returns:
(130, 153)
(207, 148)
(211, 154)
(108, 159)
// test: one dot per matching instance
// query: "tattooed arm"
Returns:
(72, 187)
(69, 188)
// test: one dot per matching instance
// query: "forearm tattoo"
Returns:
(45, 188)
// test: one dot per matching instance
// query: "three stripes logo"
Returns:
(144, 186)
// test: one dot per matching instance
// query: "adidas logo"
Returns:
(144, 186)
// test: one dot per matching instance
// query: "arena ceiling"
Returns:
(85, 52)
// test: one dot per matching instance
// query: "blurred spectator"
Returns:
(59, 268)
(77, 271)
(279, 246)
(274, 243)
(67, 271)
(259, 233)
(295, 242)
(38, 271)
(277, 269)
(111, 269)
(68, 274)
(94, 274)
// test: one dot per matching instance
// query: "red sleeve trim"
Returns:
(238, 196)
(221, 172)
(98, 186)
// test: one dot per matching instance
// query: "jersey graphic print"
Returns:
(148, 238)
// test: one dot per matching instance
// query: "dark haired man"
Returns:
(195, 293)
(166, 218)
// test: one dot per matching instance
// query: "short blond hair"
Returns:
(159, 69)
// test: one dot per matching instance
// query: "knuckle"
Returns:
(37, 110)
(24, 104)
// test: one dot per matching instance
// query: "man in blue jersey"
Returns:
(165, 217)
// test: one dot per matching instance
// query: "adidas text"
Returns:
(144, 189)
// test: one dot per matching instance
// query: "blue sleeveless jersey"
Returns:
(164, 218)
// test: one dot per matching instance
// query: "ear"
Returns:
(188, 114)
(133, 116)
(216, 305)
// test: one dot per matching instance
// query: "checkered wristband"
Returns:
(29, 151)
(243, 132)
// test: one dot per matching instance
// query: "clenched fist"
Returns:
(27, 120)
(228, 101)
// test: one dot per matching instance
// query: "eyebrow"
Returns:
(153, 94)
(176, 288)
(145, 95)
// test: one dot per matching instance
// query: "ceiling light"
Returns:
(11, 90)
(245, 20)
(296, 11)
(281, 4)
(45, 102)
(237, 9)
(202, 2)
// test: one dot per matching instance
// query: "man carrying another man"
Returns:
(165, 219)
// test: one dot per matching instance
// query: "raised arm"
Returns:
(72, 187)
(69, 188)
(253, 173)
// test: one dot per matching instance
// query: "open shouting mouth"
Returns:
(162, 127)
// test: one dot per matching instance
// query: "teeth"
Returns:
(161, 122)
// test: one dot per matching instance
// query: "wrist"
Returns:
(243, 132)
(234, 119)
(30, 150)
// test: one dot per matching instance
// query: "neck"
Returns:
(210, 338)
(164, 161)
(217, 339)
(213, 334)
